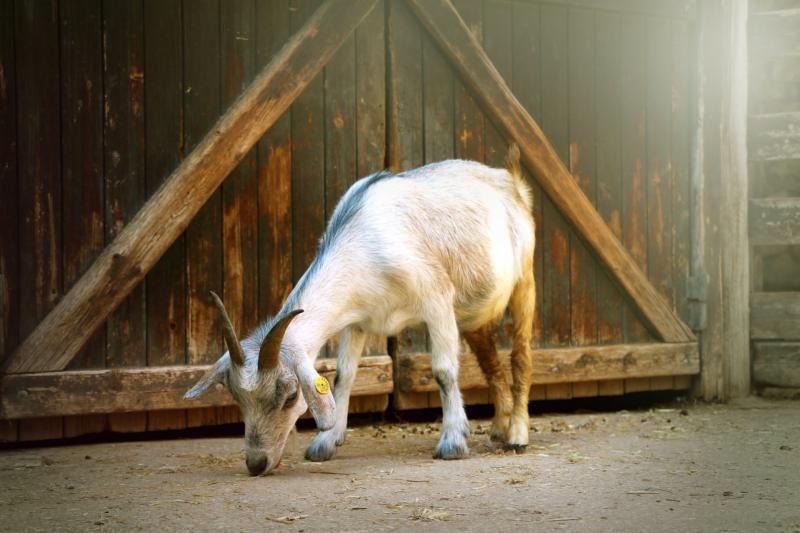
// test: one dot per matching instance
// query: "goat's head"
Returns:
(269, 391)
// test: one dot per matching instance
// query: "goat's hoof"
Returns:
(323, 448)
(451, 448)
(498, 435)
(517, 448)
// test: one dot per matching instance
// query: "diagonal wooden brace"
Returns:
(450, 32)
(124, 262)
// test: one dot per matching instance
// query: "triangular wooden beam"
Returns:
(124, 262)
(447, 28)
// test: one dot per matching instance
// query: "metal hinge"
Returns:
(696, 296)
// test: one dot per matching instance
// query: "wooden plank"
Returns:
(339, 125)
(526, 58)
(658, 105)
(124, 164)
(611, 387)
(775, 315)
(582, 165)
(371, 93)
(774, 221)
(585, 389)
(556, 366)
(275, 173)
(735, 251)
(406, 119)
(498, 44)
(308, 161)
(774, 33)
(608, 135)
(774, 136)
(681, 136)
(555, 125)
(682, 382)
(240, 189)
(637, 385)
(9, 188)
(468, 118)
(634, 156)
(711, 81)
(683, 9)
(777, 364)
(39, 174)
(124, 262)
(146, 389)
(441, 19)
(201, 107)
(82, 151)
(370, 112)
(166, 282)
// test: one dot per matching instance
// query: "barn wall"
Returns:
(775, 194)
(100, 100)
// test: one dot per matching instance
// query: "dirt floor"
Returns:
(674, 467)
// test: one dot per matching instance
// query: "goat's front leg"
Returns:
(445, 351)
(351, 345)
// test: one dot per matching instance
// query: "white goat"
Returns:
(450, 245)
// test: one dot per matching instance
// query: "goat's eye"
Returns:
(290, 400)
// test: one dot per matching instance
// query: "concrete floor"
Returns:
(682, 468)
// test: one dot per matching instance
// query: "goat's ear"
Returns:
(215, 375)
(317, 392)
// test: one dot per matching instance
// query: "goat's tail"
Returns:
(514, 168)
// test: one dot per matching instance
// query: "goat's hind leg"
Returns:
(351, 345)
(482, 343)
(523, 305)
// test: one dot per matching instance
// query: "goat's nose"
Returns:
(256, 465)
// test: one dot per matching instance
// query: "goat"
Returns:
(450, 245)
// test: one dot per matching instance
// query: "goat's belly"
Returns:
(473, 315)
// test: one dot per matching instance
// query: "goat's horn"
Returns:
(234, 348)
(271, 347)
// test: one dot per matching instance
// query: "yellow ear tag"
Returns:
(322, 385)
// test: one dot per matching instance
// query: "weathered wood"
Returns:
(145, 389)
(441, 19)
(553, 366)
(39, 173)
(774, 221)
(706, 183)
(82, 151)
(203, 237)
(658, 174)
(527, 86)
(634, 156)
(405, 118)
(735, 249)
(582, 165)
(126, 260)
(166, 282)
(608, 71)
(777, 364)
(240, 189)
(683, 9)
(775, 315)
(9, 188)
(775, 33)
(556, 243)
(774, 136)
(275, 173)
(679, 162)
(468, 118)
(124, 174)
(308, 160)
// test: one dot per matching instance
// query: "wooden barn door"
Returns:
(343, 88)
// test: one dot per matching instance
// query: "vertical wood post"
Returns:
(724, 343)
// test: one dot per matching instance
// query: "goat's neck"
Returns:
(324, 301)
